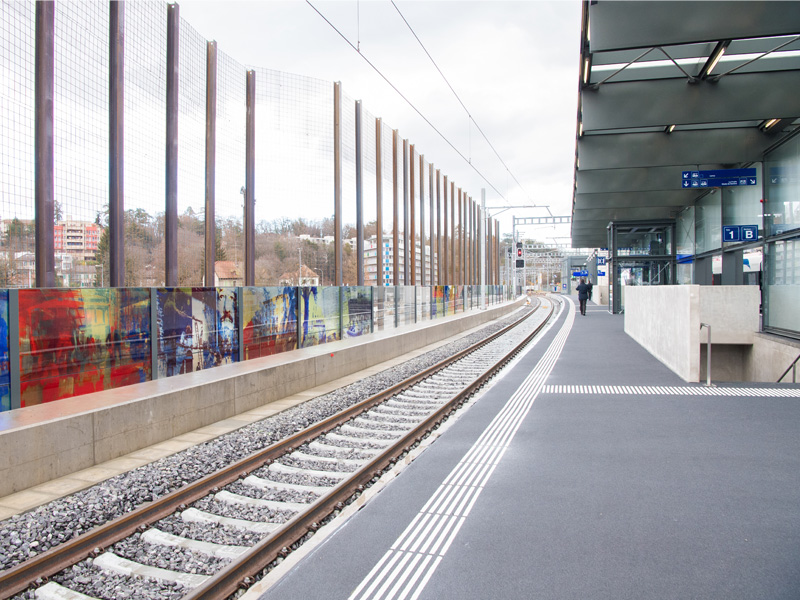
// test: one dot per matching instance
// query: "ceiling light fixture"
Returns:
(712, 61)
(669, 129)
(585, 71)
(769, 124)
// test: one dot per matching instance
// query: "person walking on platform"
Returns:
(583, 295)
(590, 286)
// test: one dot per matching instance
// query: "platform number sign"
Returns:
(739, 233)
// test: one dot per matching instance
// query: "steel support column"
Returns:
(211, 161)
(116, 146)
(379, 201)
(44, 144)
(171, 196)
(445, 248)
(432, 228)
(359, 201)
(460, 274)
(395, 209)
(452, 248)
(422, 254)
(250, 184)
(337, 182)
(406, 259)
(410, 195)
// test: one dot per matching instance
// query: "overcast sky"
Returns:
(513, 64)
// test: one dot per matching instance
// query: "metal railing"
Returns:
(793, 368)
(708, 353)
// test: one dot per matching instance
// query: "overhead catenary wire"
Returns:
(403, 96)
(469, 114)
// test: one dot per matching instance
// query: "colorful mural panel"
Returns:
(438, 301)
(196, 329)
(77, 341)
(270, 320)
(459, 297)
(5, 371)
(319, 315)
(356, 311)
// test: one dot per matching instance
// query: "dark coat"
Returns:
(583, 291)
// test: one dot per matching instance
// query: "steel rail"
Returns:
(37, 569)
(240, 573)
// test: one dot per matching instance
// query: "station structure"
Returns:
(597, 465)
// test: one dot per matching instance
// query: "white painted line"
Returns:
(477, 465)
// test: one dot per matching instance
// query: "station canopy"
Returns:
(668, 87)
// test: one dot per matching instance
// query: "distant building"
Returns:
(379, 271)
(306, 277)
(79, 238)
(228, 274)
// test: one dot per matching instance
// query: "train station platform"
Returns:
(587, 470)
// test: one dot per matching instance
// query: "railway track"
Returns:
(256, 509)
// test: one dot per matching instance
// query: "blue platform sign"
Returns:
(601, 273)
(580, 273)
(601, 261)
(718, 178)
(739, 233)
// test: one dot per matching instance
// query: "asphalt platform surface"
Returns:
(596, 495)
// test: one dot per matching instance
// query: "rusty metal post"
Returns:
(410, 197)
(497, 252)
(359, 201)
(406, 259)
(44, 175)
(171, 208)
(337, 182)
(250, 183)
(116, 146)
(460, 274)
(432, 224)
(395, 210)
(445, 248)
(379, 200)
(452, 248)
(422, 253)
(211, 162)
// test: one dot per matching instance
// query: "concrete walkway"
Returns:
(595, 489)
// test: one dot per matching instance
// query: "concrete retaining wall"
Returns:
(666, 319)
(40, 443)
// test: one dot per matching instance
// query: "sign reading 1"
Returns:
(739, 233)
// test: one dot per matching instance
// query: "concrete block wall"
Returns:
(666, 320)
(40, 443)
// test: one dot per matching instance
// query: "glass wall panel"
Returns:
(320, 318)
(356, 311)
(269, 317)
(79, 341)
(423, 303)
(438, 304)
(742, 205)
(783, 188)
(782, 289)
(685, 231)
(197, 329)
(390, 320)
(5, 367)
(406, 305)
(708, 223)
